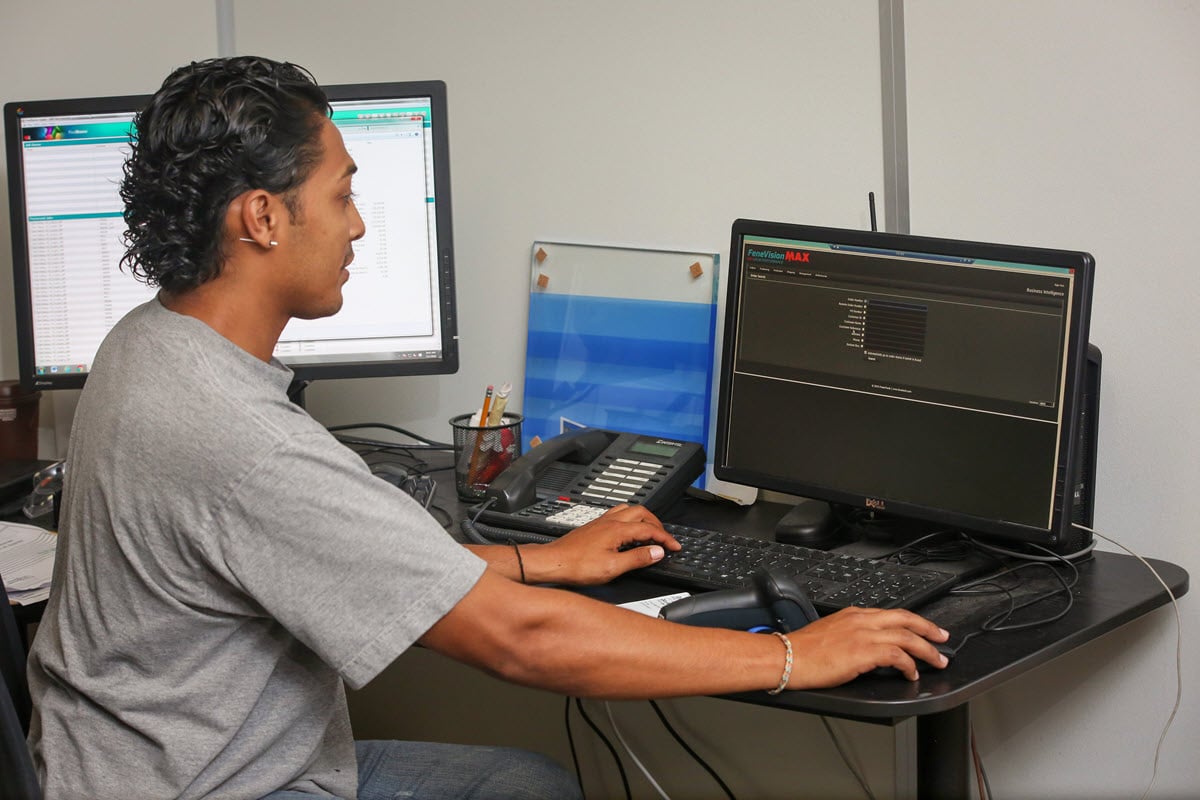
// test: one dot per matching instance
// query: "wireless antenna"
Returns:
(871, 205)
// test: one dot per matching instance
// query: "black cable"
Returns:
(480, 533)
(390, 446)
(376, 454)
(385, 426)
(868, 524)
(571, 743)
(662, 718)
(924, 549)
(1026, 556)
(998, 622)
(992, 624)
(608, 744)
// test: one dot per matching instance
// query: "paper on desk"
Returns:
(652, 605)
(26, 561)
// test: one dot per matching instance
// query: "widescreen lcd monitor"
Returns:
(927, 379)
(65, 162)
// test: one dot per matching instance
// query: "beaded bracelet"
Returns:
(787, 665)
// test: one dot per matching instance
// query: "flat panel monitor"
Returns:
(929, 379)
(65, 162)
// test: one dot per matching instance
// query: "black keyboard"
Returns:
(719, 560)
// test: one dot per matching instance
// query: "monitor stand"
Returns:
(809, 523)
(883, 545)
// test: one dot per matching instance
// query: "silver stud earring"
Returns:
(252, 241)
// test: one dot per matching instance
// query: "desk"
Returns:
(932, 716)
(1113, 589)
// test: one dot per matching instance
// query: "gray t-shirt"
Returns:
(223, 566)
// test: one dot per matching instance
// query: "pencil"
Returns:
(487, 401)
(478, 446)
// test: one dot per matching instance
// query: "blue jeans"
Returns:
(432, 771)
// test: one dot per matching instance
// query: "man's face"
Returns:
(318, 239)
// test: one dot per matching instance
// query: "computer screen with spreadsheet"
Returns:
(934, 379)
(65, 162)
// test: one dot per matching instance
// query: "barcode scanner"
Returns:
(773, 602)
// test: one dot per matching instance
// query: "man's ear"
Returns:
(256, 212)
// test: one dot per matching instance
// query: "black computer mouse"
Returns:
(891, 672)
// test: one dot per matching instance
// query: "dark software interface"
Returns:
(939, 384)
(65, 165)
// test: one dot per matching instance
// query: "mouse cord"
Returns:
(847, 760)
(629, 751)
(671, 730)
(1000, 620)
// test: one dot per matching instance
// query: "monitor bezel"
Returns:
(1061, 521)
(447, 363)
(21, 267)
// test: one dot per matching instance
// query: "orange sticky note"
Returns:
(696, 270)
(543, 281)
(540, 255)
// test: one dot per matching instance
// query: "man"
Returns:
(225, 566)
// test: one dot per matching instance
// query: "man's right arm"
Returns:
(565, 642)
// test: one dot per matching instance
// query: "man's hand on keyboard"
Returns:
(842, 646)
(622, 539)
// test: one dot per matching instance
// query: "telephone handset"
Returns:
(575, 477)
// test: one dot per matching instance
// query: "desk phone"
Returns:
(573, 478)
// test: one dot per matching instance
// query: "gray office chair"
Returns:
(18, 779)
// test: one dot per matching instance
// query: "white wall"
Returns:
(1064, 123)
(1073, 124)
(618, 122)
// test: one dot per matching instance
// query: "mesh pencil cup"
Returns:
(481, 452)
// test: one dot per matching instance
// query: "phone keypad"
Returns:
(623, 480)
(575, 514)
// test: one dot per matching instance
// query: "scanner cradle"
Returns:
(773, 602)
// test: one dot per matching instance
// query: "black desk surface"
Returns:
(1112, 589)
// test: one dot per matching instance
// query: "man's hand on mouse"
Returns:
(622, 539)
(844, 645)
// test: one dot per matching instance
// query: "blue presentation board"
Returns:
(620, 338)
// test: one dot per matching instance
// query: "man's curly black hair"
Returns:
(213, 130)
